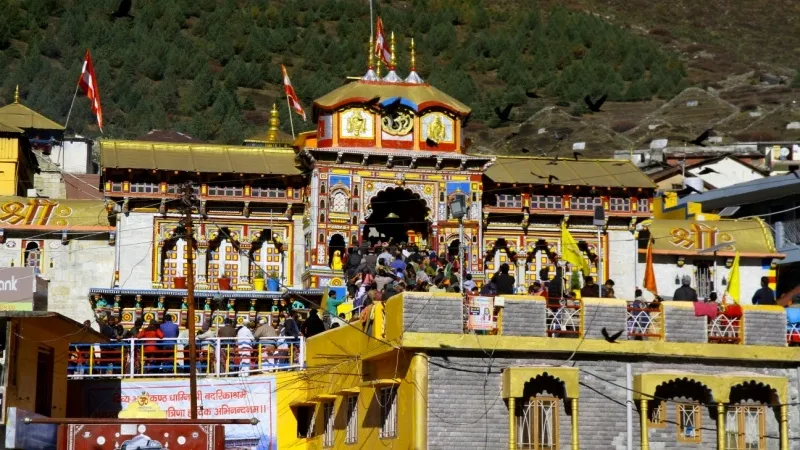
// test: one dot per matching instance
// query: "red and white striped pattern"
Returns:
(381, 47)
(291, 95)
(88, 84)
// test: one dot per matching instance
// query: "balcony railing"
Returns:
(645, 321)
(133, 358)
(564, 319)
(793, 326)
(725, 329)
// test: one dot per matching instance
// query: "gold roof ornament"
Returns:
(16, 94)
(370, 75)
(274, 124)
(392, 77)
(17, 115)
(413, 77)
(394, 59)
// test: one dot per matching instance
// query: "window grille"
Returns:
(546, 202)
(537, 426)
(352, 420)
(339, 202)
(745, 428)
(388, 402)
(620, 204)
(144, 188)
(328, 414)
(656, 413)
(586, 203)
(689, 422)
(643, 206)
(269, 190)
(116, 187)
(509, 201)
(225, 191)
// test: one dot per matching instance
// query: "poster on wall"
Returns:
(232, 398)
(480, 312)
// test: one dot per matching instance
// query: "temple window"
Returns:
(323, 188)
(322, 204)
(745, 426)
(116, 187)
(355, 191)
(546, 202)
(176, 189)
(620, 204)
(33, 255)
(225, 191)
(355, 205)
(144, 188)
(509, 201)
(271, 190)
(689, 422)
(643, 205)
(586, 203)
(537, 424)
(339, 201)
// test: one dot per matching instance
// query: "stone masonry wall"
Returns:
(425, 312)
(524, 318)
(757, 322)
(466, 409)
(136, 251)
(681, 325)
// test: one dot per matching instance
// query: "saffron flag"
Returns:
(570, 251)
(649, 271)
(734, 281)
(88, 84)
(381, 47)
(291, 95)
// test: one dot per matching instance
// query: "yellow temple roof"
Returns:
(583, 172)
(416, 96)
(191, 157)
(20, 116)
(9, 129)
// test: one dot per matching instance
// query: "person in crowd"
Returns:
(133, 332)
(468, 283)
(382, 279)
(169, 328)
(555, 289)
(263, 338)
(427, 267)
(289, 327)
(398, 263)
(106, 329)
(313, 325)
(182, 343)
(244, 345)
(490, 288)
(685, 292)
(227, 331)
(371, 260)
(207, 336)
(331, 306)
(765, 295)
(87, 324)
(712, 298)
(608, 289)
(505, 282)
(386, 256)
(537, 288)
(152, 334)
(590, 289)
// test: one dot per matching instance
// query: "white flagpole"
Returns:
(291, 119)
(77, 85)
(371, 21)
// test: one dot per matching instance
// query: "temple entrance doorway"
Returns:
(398, 215)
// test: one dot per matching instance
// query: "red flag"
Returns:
(381, 47)
(291, 95)
(88, 84)
(649, 272)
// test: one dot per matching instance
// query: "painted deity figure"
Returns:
(357, 124)
(336, 264)
(436, 131)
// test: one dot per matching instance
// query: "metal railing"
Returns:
(564, 319)
(725, 329)
(793, 326)
(644, 321)
(132, 358)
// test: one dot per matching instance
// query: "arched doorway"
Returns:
(337, 242)
(395, 212)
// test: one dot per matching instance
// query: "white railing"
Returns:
(793, 333)
(725, 329)
(565, 319)
(131, 358)
(644, 321)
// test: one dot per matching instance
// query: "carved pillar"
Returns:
(784, 427)
(575, 435)
(643, 426)
(720, 426)
(512, 423)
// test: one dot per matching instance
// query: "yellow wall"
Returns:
(9, 161)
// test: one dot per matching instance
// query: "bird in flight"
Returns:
(551, 178)
(698, 141)
(124, 10)
(553, 162)
(612, 338)
(504, 114)
(595, 106)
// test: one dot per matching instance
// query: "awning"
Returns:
(382, 382)
(349, 391)
(750, 237)
(583, 172)
(322, 398)
(197, 158)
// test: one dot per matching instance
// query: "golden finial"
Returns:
(371, 52)
(413, 57)
(16, 94)
(378, 68)
(274, 122)
(393, 61)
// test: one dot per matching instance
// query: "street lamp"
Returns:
(458, 208)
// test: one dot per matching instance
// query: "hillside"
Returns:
(212, 67)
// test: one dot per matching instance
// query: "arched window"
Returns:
(355, 191)
(33, 255)
(323, 188)
(339, 202)
(322, 204)
(355, 205)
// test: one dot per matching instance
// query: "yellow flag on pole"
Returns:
(734, 281)
(570, 251)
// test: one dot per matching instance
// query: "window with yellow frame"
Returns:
(656, 413)
(689, 422)
(745, 427)
(537, 424)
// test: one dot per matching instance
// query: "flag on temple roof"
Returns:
(88, 84)
(381, 46)
(649, 271)
(291, 95)
(734, 282)
(570, 251)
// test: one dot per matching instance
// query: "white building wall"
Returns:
(76, 157)
(622, 263)
(136, 246)
(81, 264)
(298, 252)
(726, 173)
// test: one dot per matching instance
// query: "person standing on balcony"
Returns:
(590, 289)
(152, 334)
(244, 341)
(685, 292)
(765, 295)
(505, 282)
(313, 325)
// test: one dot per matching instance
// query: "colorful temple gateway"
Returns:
(423, 370)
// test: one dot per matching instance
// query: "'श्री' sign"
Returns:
(17, 288)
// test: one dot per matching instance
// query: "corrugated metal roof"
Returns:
(197, 157)
(420, 95)
(763, 189)
(20, 116)
(4, 128)
(584, 172)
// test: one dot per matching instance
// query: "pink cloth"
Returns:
(706, 309)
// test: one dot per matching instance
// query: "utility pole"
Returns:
(187, 201)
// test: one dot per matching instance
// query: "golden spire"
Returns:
(378, 68)
(371, 51)
(16, 94)
(274, 122)
(413, 57)
(393, 64)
